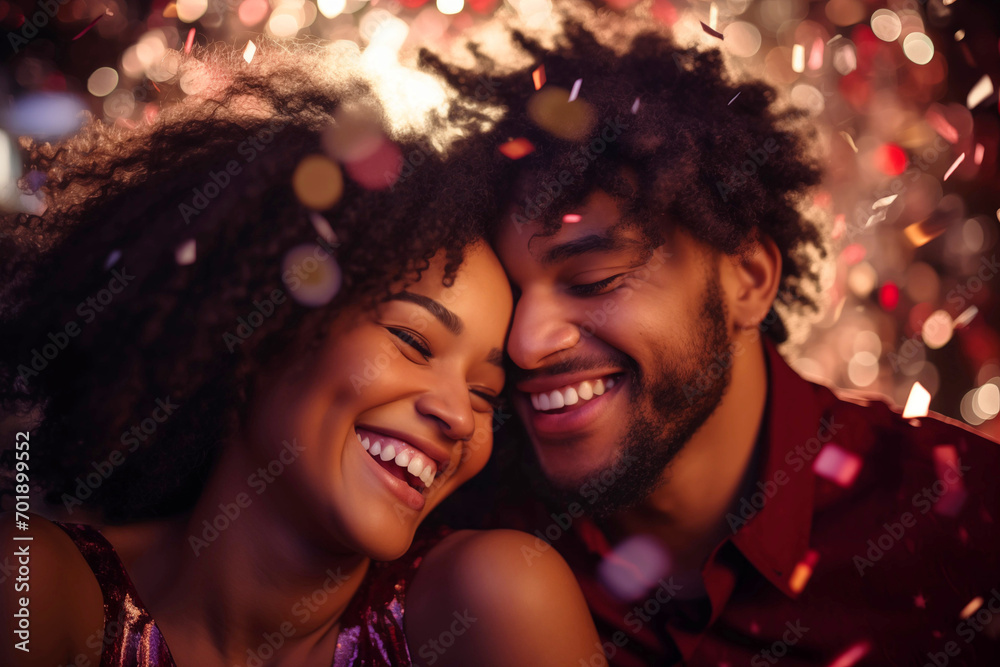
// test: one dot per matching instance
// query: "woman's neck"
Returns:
(237, 571)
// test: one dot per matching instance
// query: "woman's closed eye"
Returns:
(488, 402)
(413, 341)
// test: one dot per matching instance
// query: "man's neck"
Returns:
(714, 470)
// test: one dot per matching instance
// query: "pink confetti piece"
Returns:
(190, 41)
(942, 126)
(734, 98)
(980, 152)
(920, 601)
(186, 253)
(576, 89)
(946, 465)
(89, 26)
(837, 465)
(954, 166)
(635, 105)
(852, 655)
(572, 217)
(711, 31)
(538, 77)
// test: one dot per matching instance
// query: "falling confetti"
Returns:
(576, 89)
(91, 25)
(711, 31)
(538, 77)
(633, 567)
(852, 655)
(917, 403)
(954, 166)
(311, 274)
(734, 98)
(966, 317)
(189, 42)
(324, 229)
(318, 182)
(837, 465)
(249, 52)
(850, 141)
(635, 105)
(515, 149)
(112, 259)
(971, 608)
(186, 253)
(803, 571)
(572, 217)
(980, 152)
(980, 92)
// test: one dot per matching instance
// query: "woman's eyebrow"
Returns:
(450, 320)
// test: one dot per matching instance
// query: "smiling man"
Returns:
(716, 507)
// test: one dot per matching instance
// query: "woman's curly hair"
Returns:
(679, 136)
(116, 206)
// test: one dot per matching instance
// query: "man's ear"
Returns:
(751, 280)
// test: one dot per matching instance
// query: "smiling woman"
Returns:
(300, 364)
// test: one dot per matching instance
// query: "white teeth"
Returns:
(416, 467)
(427, 477)
(403, 458)
(571, 397)
(388, 452)
(376, 447)
(556, 400)
(366, 443)
(357, 435)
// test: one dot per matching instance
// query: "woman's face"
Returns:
(391, 415)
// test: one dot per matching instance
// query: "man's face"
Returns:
(613, 350)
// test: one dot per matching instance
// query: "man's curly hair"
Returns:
(115, 204)
(674, 138)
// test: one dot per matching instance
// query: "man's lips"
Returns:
(553, 382)
(571, 420)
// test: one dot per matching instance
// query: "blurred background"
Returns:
(902, 94)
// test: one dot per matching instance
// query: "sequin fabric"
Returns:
(371, 632)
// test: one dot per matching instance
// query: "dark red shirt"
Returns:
(870, 539)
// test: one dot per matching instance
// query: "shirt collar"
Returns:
(775, 536)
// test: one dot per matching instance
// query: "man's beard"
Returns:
(668, 407)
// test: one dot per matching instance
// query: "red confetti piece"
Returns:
(190, 41)
(516, 149)
(538, 76)
(572, 217)
(711, 31)
(891, 159)
(89, 26)
(888, 296)
(920, 601)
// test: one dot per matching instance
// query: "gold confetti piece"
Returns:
(971, 608)
(954, 166)
(515, 149)
(850, 141)
(170, 11)
(552, 111)
(803, 571)
(538, 76)
(249, 52)
(917, 402)
(318, 182)
(981, 91)
(798, 58)
(920, 233)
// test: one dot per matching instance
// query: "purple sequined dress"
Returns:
(371, 632)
